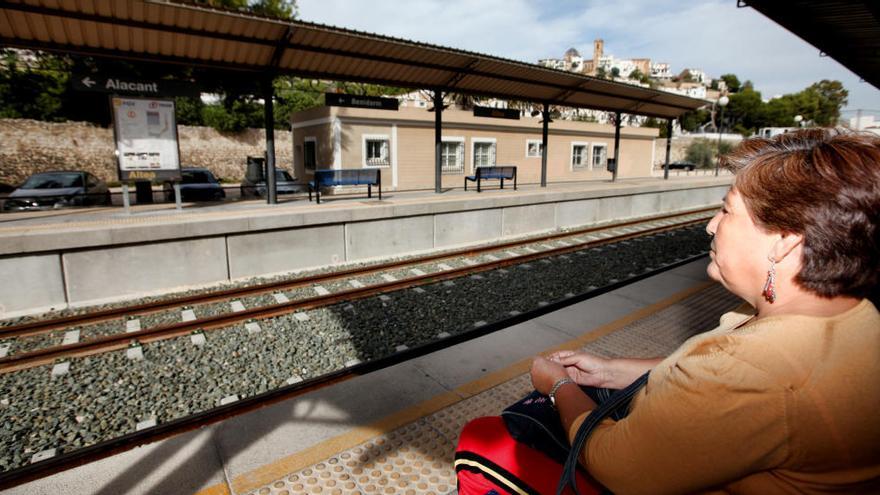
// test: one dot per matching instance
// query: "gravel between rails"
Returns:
(106, 395)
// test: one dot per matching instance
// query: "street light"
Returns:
(722, 102)
(798, 119)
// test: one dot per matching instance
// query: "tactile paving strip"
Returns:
(416, 459)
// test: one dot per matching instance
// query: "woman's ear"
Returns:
(785, 245)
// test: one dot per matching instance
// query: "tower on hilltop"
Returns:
(598, 48)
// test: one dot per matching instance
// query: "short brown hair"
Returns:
(825, 185)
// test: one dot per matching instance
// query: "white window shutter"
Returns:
(460, 162)
(492, 155)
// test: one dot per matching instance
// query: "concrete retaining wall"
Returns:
(105, 267)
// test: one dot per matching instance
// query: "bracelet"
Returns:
(559, 383)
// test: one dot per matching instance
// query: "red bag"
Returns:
(489, 461)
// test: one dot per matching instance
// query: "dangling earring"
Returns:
(769, 291)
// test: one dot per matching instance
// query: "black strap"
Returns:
(592, 420)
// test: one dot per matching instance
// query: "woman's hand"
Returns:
(583, 368)
(545, 373)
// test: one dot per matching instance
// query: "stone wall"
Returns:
(29, 146)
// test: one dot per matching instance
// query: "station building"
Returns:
(401, 143)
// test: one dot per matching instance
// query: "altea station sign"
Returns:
(133, 86)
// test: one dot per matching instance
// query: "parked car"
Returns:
(57, 190)
(682, 166)
(196, 184)
(284, 184)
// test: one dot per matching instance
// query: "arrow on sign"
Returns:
(88, 82)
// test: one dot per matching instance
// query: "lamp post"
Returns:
(722, 102)
(798, 119)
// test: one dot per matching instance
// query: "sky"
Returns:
(712, 35)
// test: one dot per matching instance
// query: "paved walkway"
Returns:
(88, 218)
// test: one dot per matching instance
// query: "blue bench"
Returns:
(352, 177)
(494, 173)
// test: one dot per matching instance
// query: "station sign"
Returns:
(497, 113)
(355, 101)
(133, 86)
(146, 138)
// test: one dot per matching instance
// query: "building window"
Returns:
(310, 153)
(534, 148)
(579, 157)
(600, 156)
(483, 152)
(452, 156)
(376, 151)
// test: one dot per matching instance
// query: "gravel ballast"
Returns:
(107, 395)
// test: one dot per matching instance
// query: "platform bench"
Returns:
(495, 173)
(351, 177)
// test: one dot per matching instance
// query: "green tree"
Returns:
(744, 111)
(692, 120)
(638, 75)
(731, 81)
(601, 74)
(282, 9)
(656, 124)
(32, 85)
(189, 110)
(830, 96)
(615, 72)
(704, 152)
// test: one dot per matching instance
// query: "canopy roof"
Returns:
(846, 30)
(193, 34)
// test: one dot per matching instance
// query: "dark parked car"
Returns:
(57, 190)
(682, 166)
(197, 184)
(284, 184)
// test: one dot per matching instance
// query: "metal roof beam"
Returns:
(115, 21)
(463, 72)
(280, 46)
(440, 67)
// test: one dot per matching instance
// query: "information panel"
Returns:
(354, 101)
(497, 113)
(146, 138)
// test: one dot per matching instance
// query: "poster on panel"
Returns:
(146, 138)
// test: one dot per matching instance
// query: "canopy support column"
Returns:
(438, 140)
(269, 114)
(668, 148)
(544, 132)
(616, 146)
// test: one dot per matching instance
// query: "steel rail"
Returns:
(43, 326)
(102, 450)
(108, 343)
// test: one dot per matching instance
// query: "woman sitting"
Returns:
(782, 397)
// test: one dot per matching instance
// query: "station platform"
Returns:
(395, 430)
(73, 258)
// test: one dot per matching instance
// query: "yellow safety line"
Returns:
(324, 450)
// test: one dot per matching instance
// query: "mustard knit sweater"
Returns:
(787, 404)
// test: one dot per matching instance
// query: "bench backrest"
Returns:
(347, 177)
(507, 172)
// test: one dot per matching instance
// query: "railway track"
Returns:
(73, 348)
(600, 243)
